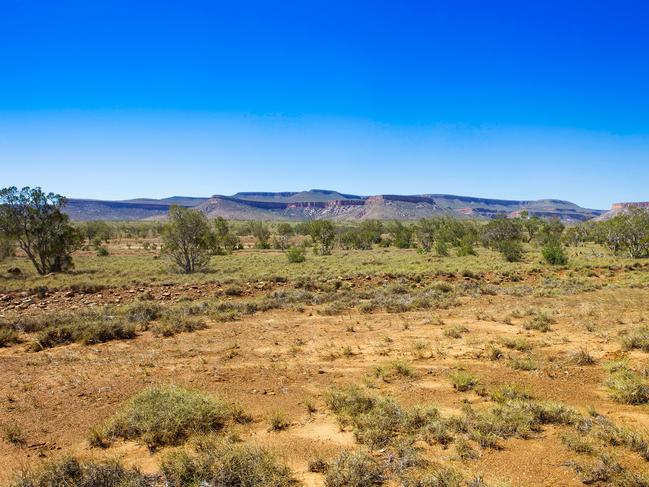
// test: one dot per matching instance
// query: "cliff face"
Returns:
(639, 204)
(621, 208)
(314, 204)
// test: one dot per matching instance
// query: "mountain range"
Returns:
(326, 204)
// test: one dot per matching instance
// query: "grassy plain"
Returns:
(360, 368)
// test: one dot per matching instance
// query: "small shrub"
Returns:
(628, 387)
(493, 352)
(510, 392)
(464, 450)
(526, 363)
(69, 471)
(582, 358)
(607, 471)
(86, 332)
(465, 248)
(456, 331)
(166, 415)
(318, 465)
(353, 469)
(278, 422)
(225, 464)
(519, 344)
(636, 339)
(13, 435)
(105, 331)
(8, 336)
(463, 381)
(577, 443)
(511, 250)
(554, 254)
(441, 248)
(541, 322)
(295, 255)
(439, 476)
(143, 313)
(395, 368)
(102, 252)
(173, 325)
(233, 290)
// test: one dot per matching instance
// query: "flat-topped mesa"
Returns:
(638, 204)
(325, 204)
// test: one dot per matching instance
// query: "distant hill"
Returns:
(621, 208)
(318, 203)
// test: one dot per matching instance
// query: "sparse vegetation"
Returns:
(408, 324)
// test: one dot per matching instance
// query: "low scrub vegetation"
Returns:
(165, 415)
(70, 471)
(213, 461)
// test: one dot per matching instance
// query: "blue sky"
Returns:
(499, 99)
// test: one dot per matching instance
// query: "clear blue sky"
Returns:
(119, 99)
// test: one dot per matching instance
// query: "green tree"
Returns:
(223, 241)
(632, 229)
(427, 230)
(34, 220)
(531, 224)
(323, 233)
(96, 231)
(260, 231)
(505, 236)
(550, 231)
(400, 234)
(284, 233)
(372, 230)
(186, 239)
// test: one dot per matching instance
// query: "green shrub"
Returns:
(554, 254)
(353, 469)
(295, 255)
(71, 472)
(437, 476)
(143, 313)
(456, 331)
(278, 422)
(224, 464)
(395, 368)
(582, 357)
(541, 322)
(510, 392)
(511, 250)
(519, 344)
(463, 381)
(526, 363)
(465, 248)
(441, 248)
(628, 387)
(7, 249)
(102, 252)
(8, 336)
(86, 332)
(636, 339)
(13, 435)
(166, 415)
(577, 443)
